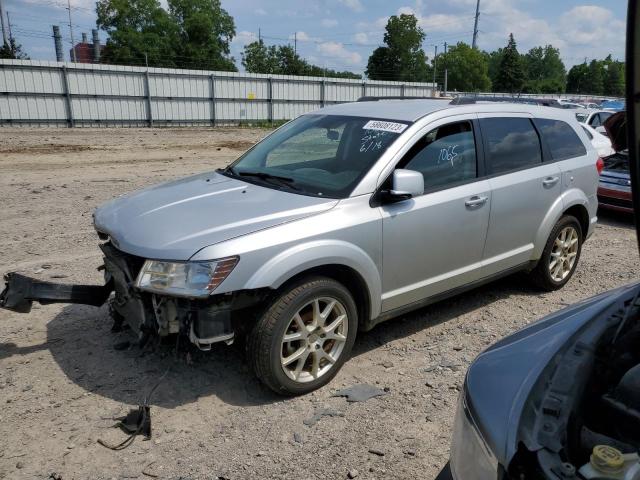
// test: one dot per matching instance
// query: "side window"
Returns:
(604, 116)
(511, 143)
(595, 120)
(561, 139)
(445, 156)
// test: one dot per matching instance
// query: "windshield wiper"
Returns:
(288, 181)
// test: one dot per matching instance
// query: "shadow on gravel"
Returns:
(442, 311)
(82, 344)
(615, 219)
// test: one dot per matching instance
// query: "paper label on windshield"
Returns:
(385, 126)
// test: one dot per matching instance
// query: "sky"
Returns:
(341, 34)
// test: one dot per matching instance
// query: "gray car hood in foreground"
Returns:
(500, 380)
(174, 220)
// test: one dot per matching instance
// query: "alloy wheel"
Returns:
(563, 254)
(314, 339)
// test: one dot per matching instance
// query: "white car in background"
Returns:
(593, 118)
(600, 142)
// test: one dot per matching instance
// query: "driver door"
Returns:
(434, 243)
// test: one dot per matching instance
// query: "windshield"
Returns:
(320, 155)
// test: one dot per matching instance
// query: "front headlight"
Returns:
(184, 279)
(471, 458)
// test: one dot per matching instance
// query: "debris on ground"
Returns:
(325, 412)
(360, 392)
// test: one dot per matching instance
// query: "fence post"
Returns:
(212, 98)
(322, 93)
(270, 99)
(148, 98)
(364, 89)
(67, 96)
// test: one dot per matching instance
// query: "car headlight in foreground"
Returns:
(471, 458)
(184, 279)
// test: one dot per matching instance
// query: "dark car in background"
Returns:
(560, 399)
(614, 187)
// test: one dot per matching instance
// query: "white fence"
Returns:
(71, 94)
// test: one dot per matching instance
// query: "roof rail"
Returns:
(398, 97)
(549, 102)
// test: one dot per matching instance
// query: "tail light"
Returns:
(599, 165)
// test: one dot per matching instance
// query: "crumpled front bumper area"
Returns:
(203, 322)
(20, 292)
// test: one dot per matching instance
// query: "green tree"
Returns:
(283, 60)
(595, 78)
(402, 58)
(493, 63)
(139, 31)
(259, 58)
(544, 70)
(13, 50)
(205, 31)
(613, 78)
(467, 68)
(577, 78)
(510, 77)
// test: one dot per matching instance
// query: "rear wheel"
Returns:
(560, 256)
(305, 336)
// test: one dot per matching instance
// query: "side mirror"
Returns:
(406, 184)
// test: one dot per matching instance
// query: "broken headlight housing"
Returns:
(184, 279)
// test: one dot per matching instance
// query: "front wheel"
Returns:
(305, 336)
(560, 255)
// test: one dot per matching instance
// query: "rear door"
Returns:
(523, 189)
(434, 242)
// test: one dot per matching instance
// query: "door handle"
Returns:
(550, 181)
(476, 201)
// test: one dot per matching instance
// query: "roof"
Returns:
(412, 110)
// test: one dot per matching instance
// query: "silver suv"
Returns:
(341, 219)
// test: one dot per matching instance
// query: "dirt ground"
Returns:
(62, 381)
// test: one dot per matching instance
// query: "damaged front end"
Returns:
(203, 320)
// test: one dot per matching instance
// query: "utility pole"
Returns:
(146, 60)
(4, 30)
(259, 36)
(446, 72)
(9, 24)
(435, 65)
(73, 43)
(475, 26)
(295, 43)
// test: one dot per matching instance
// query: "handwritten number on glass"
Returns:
(448, 154)
(372, 140)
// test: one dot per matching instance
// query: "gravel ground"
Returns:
(62, 382)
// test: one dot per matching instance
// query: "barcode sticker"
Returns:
(385, 126)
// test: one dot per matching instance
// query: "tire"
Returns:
(553, 277)
(298, 313)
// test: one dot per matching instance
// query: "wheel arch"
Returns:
(341, 261)
(572, 202)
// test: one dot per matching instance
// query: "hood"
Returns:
(616, 127)
(174, 220)
(500, 380)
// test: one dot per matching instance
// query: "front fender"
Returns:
(305, 256)
(568, 199)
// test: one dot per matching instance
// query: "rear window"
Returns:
(562, 140)
(511, 144)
